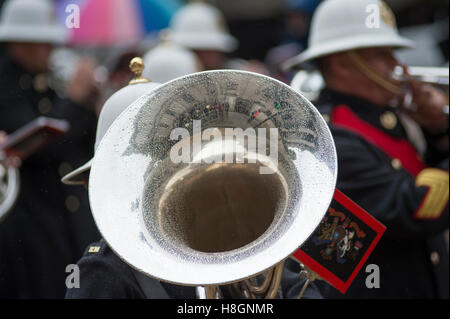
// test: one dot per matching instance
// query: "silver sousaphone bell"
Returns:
(206, 221)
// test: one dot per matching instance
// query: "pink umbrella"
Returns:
(107, 23)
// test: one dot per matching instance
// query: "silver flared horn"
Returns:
(205, 220)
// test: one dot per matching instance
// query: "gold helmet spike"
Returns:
(137, 66)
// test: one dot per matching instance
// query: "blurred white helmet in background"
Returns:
(200, 26)
(168, 61)
(112, 108)
(30, 21)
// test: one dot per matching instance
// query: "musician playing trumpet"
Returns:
(392, 146)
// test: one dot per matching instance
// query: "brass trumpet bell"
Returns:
(205, 221)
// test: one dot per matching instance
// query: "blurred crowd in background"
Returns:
(266, 33)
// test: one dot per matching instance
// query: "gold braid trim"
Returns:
(437, 197)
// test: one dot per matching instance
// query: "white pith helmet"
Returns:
(30, 21)
(344, 25)
(168, 61)
(200, 26)
(112, 108)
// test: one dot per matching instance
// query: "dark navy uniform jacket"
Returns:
(103, 275)
(50, 225)
(380, 170)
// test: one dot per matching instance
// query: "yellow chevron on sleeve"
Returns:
(436, 198)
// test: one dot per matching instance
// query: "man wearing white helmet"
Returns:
(50, 224)
(352, 43)
(201, 27)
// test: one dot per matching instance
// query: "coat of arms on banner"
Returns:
(342, 242)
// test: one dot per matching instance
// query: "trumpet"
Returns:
(436, 76)
(310, 83)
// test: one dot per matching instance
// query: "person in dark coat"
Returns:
(103, 275)
(50, 224)
(392, 155)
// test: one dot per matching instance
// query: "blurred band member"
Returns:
(50, 225)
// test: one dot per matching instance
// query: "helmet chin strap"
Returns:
(373, 75)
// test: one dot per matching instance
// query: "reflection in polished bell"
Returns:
(203, 222)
